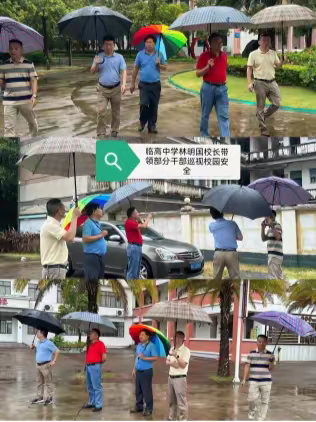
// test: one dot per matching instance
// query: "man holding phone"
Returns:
(273, 237)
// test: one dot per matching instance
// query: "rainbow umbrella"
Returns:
(101, 199)
(160, 340)
(169, 42)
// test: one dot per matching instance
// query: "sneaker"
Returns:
(88, 406)
(38, 400)
(136, 411)
(147, 412)
(152, 130)
(97, 409)
(264, 132)
(141, 128)
(114, 134)
(48, 401)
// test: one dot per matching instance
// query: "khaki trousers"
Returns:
(106, 96)
(54, 273)
(258, 400)
(44, 376)
(229, 260)
(11, 113)
(275, 267)
(263, 91)
(177, 397)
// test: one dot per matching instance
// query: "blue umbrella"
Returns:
(11, 29)
(85, 321)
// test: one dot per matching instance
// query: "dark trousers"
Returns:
(93, 266)
(144, 390)
(149, 94)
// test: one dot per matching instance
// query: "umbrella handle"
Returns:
(278, 340)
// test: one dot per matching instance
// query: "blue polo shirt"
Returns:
(93, 228)
(110, 69)
(149, 350)
(148, 71)
(225, 233)
(45, 350)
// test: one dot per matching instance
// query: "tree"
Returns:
(302, 294)
(225, 291)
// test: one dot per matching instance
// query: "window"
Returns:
(70, 331)
(214, 183)
(296, 175)
(119, 332)
(5, 288)
(312, 175)
(59, 295)
(31, 330)
(6, 325)
(33, 291)
(108, 300)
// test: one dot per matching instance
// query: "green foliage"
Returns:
(309, 76)
(60, 342)
(13, 241)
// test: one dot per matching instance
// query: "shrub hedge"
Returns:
(59, 341)
(12, 241)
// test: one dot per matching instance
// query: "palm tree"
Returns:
(225, 291)
(302, 294)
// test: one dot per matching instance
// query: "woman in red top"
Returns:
(132, 226)
(212, 67)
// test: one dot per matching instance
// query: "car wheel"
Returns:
(145, 270)
(70, 269)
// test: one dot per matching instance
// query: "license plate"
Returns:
(195, 266)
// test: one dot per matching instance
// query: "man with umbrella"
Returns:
(111, 67)
(18, 79)
(262, 64)
(149, 63)
(46, 357)
(273, 237)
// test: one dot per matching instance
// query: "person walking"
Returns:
(95, 357)
(262, 64)
(111, 67)
(273, 237)
(94, 244)
(178, 361)
(149, 63)
(53, 238)
(212, 66)
(133, 226)
(225, 233)
(258, 367)
(46, 357)
(146, 354)
(18, 80)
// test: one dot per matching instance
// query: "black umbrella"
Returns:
(40, 319)
(93, 23)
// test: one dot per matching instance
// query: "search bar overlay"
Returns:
(118, 161)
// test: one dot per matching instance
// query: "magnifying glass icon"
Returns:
(114, 162)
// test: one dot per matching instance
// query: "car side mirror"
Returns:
(116, 238)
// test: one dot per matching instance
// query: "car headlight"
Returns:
(166, 255)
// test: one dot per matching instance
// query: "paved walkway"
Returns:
(293, 393)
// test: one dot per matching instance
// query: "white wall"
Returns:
(304, 166)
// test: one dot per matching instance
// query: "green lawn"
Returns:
(292, 96)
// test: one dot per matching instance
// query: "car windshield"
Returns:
(147, 233)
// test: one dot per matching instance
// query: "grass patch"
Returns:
(18, 256)
(221, 380)
(291, 96)
(57, 69)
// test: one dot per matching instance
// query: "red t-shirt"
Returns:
(132, 231)
(95, 352)
(217, 73)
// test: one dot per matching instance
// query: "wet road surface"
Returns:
(292, 398)
(67, 106)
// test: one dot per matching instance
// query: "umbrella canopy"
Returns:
(169, 42)
(283, 320)
(279, 191)
(239, 200)
(158, 338)
(125, 194)
(11, 29)
(100, 199)
(66, 157)
(177, 311)
(93, 23)
(40, 319)
(86, 321)
(283, 16)
(211, 18)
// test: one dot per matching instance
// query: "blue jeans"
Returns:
(134, 259)
(94, 384)
(212, 95)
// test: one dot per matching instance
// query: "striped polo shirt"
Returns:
(259, 365)
(274, 246)
(17, 81)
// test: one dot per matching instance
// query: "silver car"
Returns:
(161, 257)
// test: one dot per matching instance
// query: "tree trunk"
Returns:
(44, 24)
(79, 336)
(92, 289)
(225, 296)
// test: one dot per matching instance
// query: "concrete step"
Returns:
(12, 345)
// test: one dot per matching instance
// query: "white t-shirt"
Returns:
(184, 354)
(53, 248)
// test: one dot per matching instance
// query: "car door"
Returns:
(76, 251)
(116, 251)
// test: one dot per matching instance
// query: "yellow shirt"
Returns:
(53, 248)
(263, 64)
(184, 353)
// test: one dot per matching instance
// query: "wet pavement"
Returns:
(292, 398)
(67, 106)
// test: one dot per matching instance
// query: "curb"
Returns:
(234, 100)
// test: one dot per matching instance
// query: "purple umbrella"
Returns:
(283, 320)
(280, 191)
(11, 29)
